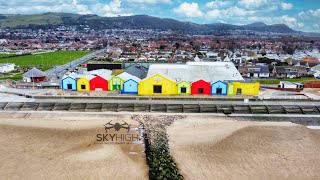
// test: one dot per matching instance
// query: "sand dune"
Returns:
(218, 148)
(54, 147)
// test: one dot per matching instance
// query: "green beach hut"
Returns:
(184, 87)
(115, 83)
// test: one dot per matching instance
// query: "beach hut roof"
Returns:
(126, 76)
(34, 72)
(101, 72)
(193, 71)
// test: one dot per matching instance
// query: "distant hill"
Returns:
(52, 20)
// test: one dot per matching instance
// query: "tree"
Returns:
(177, 45)
(162, 46)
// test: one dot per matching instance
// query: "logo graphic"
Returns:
(120, 133)
(117, 126)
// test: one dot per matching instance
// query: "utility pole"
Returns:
(32, 79)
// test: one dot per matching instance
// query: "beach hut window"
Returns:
(69, 86)
(183, 90)
(83, 86)
(200, 90)
(157, 89)
(239, 91)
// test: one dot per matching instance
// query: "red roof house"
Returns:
(200, 87)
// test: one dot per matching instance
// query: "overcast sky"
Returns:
(298, 14)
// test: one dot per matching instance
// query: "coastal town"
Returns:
(129, 96)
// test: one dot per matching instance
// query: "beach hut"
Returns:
(240, 88)
(83, 84)
(98, 83)
(184, 87)
(219, 88)
(200, 87)
(115, 83)
(130, 86)
(69, 83)
(157, 84)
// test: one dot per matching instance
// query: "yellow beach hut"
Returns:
(157, 84)
(241, 88)
(83, 84)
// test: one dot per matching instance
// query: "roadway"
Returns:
(4, 97)
(59, 71)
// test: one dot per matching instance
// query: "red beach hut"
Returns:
(200, 87)
(98, 83)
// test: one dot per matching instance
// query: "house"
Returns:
(241, 88)
(254, 71)
(157, 84)
(289, 71)
(4, 68)
(69, 83)
(200, 87)
(184, 87)
(219, 88)
(83, 84)
(34, 75)
(137, 70)
(98, 83)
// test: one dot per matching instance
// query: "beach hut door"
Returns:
(219, 90)
(69, 86)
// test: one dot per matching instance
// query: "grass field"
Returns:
(277, 81)
(46, 59)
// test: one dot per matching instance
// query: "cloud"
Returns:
(150, 1)
(310, 14)
(250, 4)
(112, 9)
(286, 6)
(290, 21)
(218, 4)
(189, 10)
(71, 6)
(214, 14)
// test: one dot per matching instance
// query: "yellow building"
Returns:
(239, 88)
(157, 84)
(83, 85)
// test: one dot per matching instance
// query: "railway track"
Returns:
(167, 108)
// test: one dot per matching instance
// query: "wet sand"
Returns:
(222, 148)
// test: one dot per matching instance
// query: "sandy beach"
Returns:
(222, 148)
(64, 146)
(56, 147)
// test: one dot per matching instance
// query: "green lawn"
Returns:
(277, 81)
(46, 59)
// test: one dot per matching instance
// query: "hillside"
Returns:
(52, 20)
